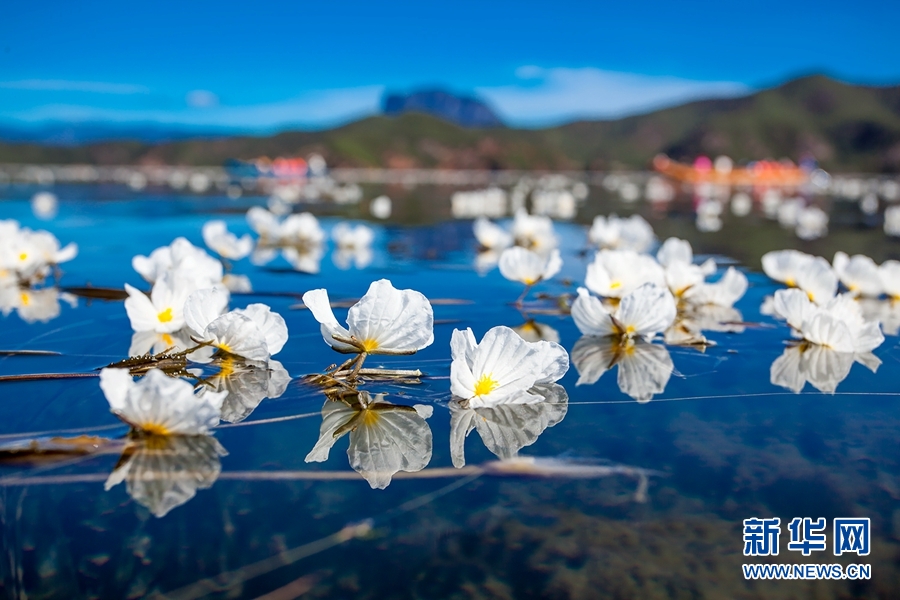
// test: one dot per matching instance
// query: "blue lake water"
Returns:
(719, 445)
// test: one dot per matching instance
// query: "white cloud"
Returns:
(201, 99)
(61, 85)
(550, 96)
(312, 110)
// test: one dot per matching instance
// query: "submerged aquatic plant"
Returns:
(502, 368)
(160, 405)
(384, 321)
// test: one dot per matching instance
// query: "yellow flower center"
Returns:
(155, 429)
(165, 316)
(23, 256)
(224, 348)
(369, 417)
(615, 285)
(790, 282)
(485, 385)
(529, 281)
(25, 298)
(370, 344)
(168, 340)
(226, 367)
(629, 330)
(811, 297)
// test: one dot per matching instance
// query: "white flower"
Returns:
(490, 235)
(533, 232)
(27, 255)
(812, 223)
(615, 273)
(682, 275)
(224, 243)
(644, 312)
(527, 266)
(163, 311)
(632, 233)
(502, 367)
(296, 229)
(384, 438)
(889, 276)
(644, 368)
(812, 274)
(352, 237)
(353, 245)
(507, 428)
(189, 262)
(892, 221)
(239, 284)
(838, 325)
(166, 472)
(255, 332)
(724, 292)
(859, 274)
(384, 321)
(159, 404)
(153, 342)
(44, 205)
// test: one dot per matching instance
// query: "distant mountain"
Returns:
(845, 127)
(459, 110)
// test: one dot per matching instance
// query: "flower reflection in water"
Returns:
(532, 331)
(164, 472)
(34, 305)
(247, 383)
(819, 365)
(384, 438)
(644, 368)
(506, 428)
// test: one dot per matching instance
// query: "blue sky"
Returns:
(265, 66)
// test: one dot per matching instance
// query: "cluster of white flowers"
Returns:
(188, 301)
(613, 233)
(859, 275)
(300, 240)
(27, 257)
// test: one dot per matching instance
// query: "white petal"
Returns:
(590, 316)
(141, 312)
(646, 311)
(318, 304)
(397, 320)
(269, 323)
(116, 384)
(237, 334)
(203, 307)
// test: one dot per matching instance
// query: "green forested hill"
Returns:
(846, 127)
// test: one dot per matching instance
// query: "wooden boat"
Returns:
(763, 173)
